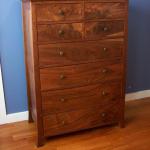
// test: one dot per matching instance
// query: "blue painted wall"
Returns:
(12, 54)
(139, 46)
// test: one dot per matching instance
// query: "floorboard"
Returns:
(135, 136)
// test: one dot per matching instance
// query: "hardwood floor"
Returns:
(135, 136)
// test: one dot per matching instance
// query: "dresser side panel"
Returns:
(29, 58)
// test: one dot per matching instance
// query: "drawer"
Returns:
(105, 10)
(79, 75)
(81, 97)
(59, 12)
(104, 29)
(60, 32)
(66, 122)
(68, 53)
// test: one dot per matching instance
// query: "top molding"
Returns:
(76, 0)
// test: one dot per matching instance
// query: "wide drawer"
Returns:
(60, 32)
(67, 54)
(59, 12)
(61, 123)
(104, 29)
(79, 75)
(81, 97)
(111, 10)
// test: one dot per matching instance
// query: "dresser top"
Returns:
(76, 0)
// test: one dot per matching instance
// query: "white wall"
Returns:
(2, 101)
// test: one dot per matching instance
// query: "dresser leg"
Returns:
(122, 120)
(122, 124)
(122, 113)
(40, 141)
(30, 120)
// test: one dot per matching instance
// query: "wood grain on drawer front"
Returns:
(68, 53)
(105, 10)
(81, 97)
(80, 119)
(60, 32)
(79, 75)
(59, 12)
(104, 29)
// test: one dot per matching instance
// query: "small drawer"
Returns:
(66, 122)
(104, 29)
(67, 54)
(59, 12)
(79, 75)
(60, 32)
(82, 97)
(105, 10)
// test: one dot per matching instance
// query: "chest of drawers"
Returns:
(75, 53)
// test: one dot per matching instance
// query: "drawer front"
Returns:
(79, 75)
(60, 32)
(104, 29)
(81, 97)
(105, 10)
(59, 12)
(80, 119)
(68, 54)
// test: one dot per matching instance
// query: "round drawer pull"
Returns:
(104, 49)
(105, 29)
(104, 93)
(61, 53)
(61, 13)
(62, 77)
(103, 114)
(62, 99)
(61, 32)
(63, 123)
(104, 70)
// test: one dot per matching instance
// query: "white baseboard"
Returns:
(15, 117)
(137, 95)
(21, 116)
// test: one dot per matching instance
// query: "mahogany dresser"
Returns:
(75, 53)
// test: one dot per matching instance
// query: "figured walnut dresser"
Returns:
(75, 52)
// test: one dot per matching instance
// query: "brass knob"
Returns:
(49, 11)
(62, 99)
(61, 53)
(61, 32)
(62, 76)
(105, 29)
(61, 12)
(63, 122)
(104, 93)
(104, 49)
(104, 71)
(103, 114)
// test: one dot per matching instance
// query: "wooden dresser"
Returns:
(75, 54)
